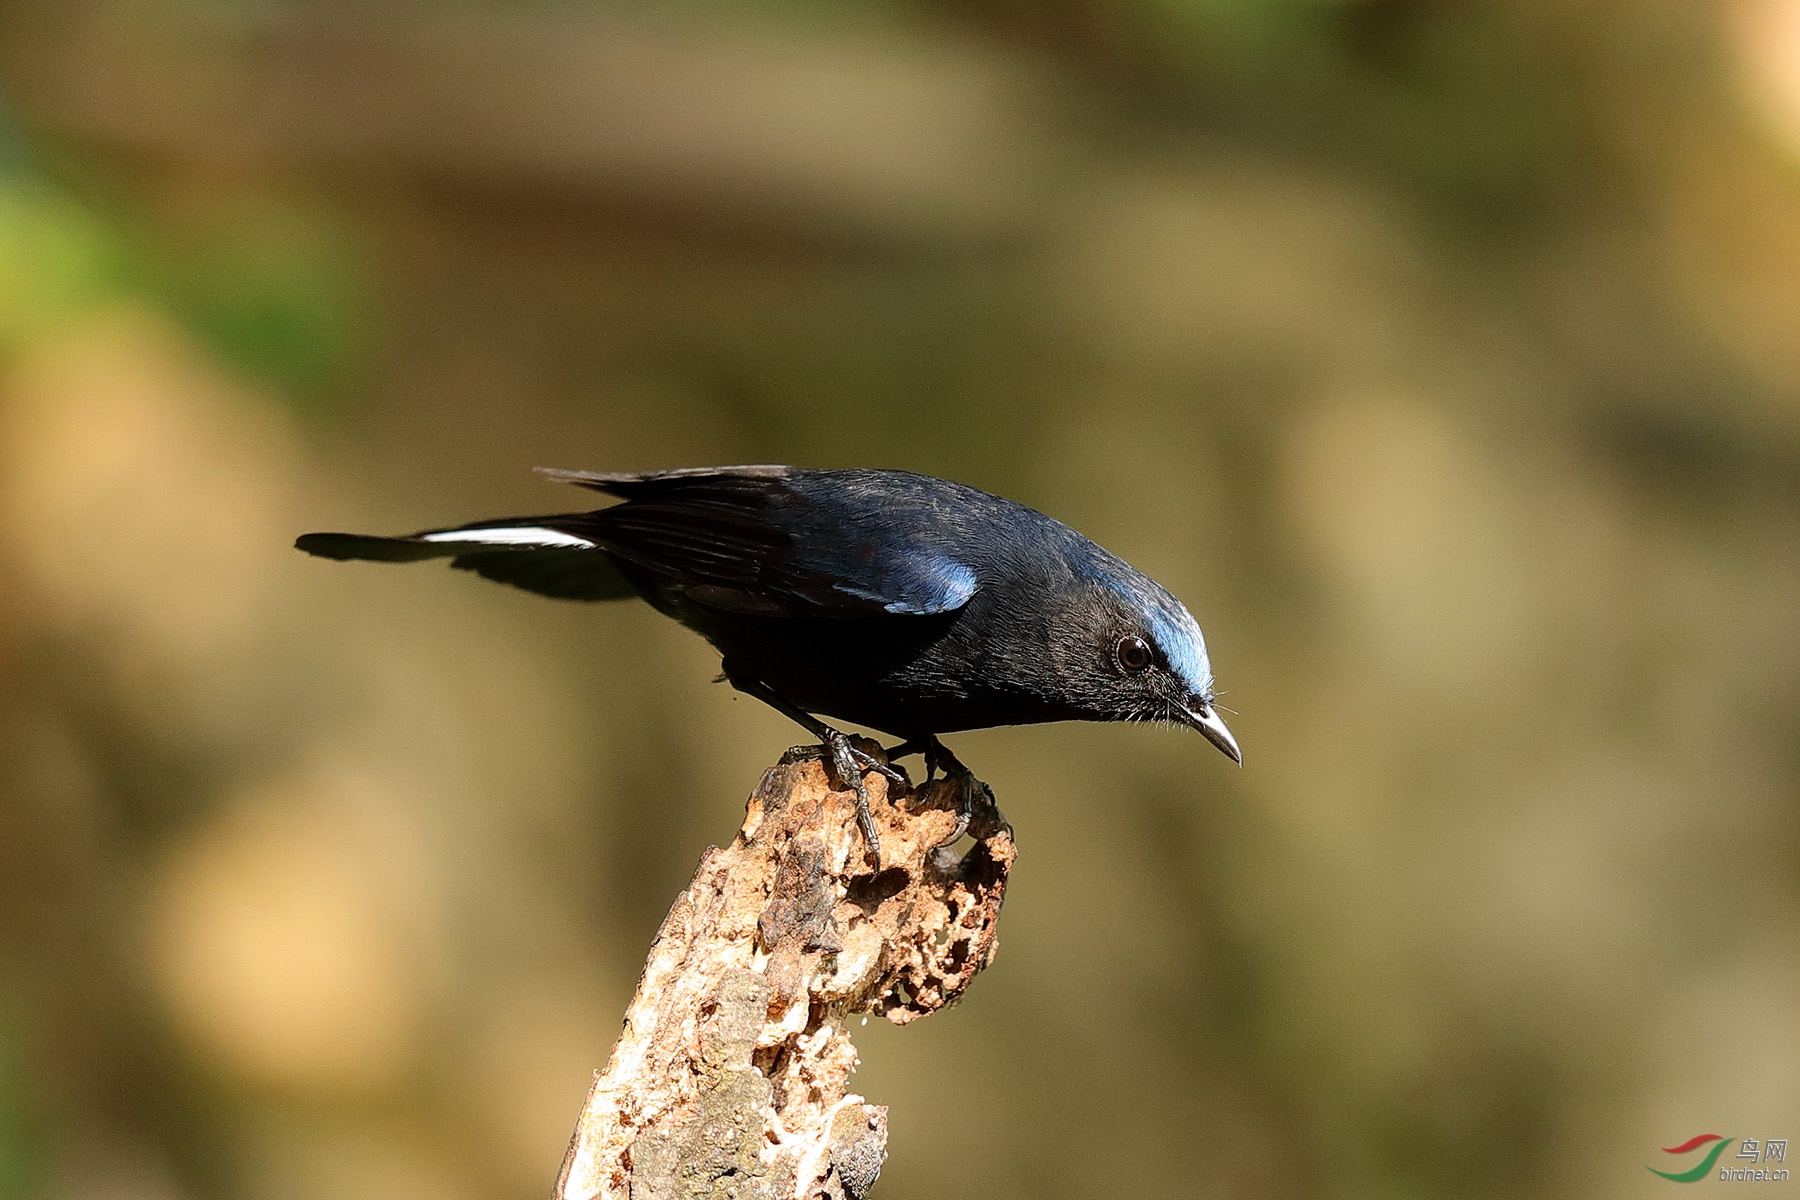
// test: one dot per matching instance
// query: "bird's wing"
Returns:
(539, 554)
(743, 539)
(737, 539)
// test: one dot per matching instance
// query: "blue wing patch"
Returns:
(920, 588)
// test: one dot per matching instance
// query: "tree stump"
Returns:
(730, 1079)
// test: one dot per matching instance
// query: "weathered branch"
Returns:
(730, 1078)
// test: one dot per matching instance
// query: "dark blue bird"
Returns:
(892, 600)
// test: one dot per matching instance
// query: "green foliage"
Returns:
(270, 286)
(56, 258)
(274, 291)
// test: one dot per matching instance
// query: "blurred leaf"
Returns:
(55, 258)
(274, 292)
(272, 289)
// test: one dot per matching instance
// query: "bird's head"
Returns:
(1134, 653)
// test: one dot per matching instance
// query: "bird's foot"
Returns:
(971, 793)
(928, 746)
(847, 764)
(858, 760)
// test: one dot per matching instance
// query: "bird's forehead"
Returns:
(1178, 635)
(1165, 619)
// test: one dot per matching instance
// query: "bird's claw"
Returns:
(970, 791)
(964, 811)
(887, 771)
(966, 791)
(847, 763)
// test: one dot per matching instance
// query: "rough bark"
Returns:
(730, 1080)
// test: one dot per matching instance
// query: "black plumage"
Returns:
(897, 601)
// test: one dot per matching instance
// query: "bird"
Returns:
(900, 602)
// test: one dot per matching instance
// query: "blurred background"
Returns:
(1443, 355)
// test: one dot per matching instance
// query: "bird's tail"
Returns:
(545, 555)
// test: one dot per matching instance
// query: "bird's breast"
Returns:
(904, 675)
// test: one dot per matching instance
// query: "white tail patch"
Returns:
(517, 536)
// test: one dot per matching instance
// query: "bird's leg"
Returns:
(841, 758)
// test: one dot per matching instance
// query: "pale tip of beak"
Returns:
(1207, 720)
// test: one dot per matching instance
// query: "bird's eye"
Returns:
(1133, 654)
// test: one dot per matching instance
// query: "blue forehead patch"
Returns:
(1165, 619)
(1178, 636)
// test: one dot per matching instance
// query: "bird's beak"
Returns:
(1206, 719)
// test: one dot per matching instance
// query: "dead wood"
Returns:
(730, 1080)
